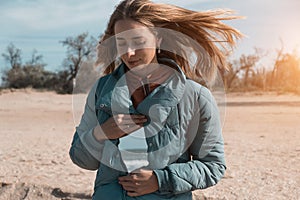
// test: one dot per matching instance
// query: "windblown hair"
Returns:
(205, 28)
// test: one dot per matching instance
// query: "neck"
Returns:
(144, 71)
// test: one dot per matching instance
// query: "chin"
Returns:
(135, 65)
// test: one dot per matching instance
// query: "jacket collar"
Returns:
(158, 103)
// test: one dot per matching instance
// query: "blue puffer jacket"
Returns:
(183, 135)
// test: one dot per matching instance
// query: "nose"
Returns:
(130, 51)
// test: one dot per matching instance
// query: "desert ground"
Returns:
(261, 133)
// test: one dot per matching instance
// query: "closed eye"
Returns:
(121, 44)
(140, 42)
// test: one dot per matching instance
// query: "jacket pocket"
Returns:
(103, 111)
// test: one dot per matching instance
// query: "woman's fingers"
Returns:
(142, 182)
(122, 119)
(132, 194)
(130, 185)
(122, 124)
(130, 128)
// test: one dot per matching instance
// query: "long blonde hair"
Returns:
(204, 27)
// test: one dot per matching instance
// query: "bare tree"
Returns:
(278, 61)
(287, 76)
(36, 59)
(243, 67)
(31, 74)
(231, 75)
(79, 49)
(13, 56)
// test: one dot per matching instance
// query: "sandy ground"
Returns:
(261, 135)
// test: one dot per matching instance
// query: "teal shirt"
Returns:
(184, 137)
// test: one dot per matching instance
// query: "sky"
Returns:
(41, 24)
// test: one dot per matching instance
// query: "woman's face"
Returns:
(136, 44)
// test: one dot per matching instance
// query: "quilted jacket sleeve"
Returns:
(207, 166)
(85, 150)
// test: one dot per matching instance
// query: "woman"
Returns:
(154, 87)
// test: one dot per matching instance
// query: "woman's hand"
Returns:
(118, 126)
(139, 182)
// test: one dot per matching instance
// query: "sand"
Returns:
(261, 134)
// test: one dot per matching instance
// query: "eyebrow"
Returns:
(133, 38)
(137, 37)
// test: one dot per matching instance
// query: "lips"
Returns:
(133, 62)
